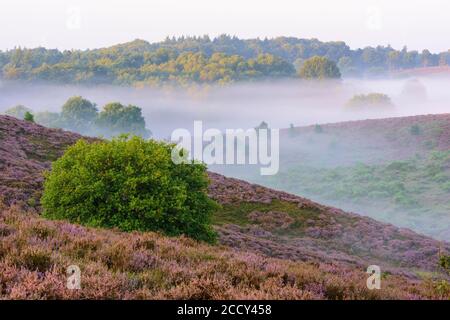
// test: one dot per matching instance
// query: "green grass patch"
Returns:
(239, 214)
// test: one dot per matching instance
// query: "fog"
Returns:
(243, 105)
(280, 104)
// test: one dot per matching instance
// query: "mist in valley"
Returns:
(241, 105)
(282, 104)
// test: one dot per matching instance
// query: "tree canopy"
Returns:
(116, 118)
(370, 99)
(130, 184)
(78, 113)
(81, 115)
(319, 68)
(203, 60)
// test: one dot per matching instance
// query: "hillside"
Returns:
(273, 244)
(395, 170)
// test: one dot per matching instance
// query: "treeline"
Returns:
(201, 59)
(82, 116)
(369, 60)
(130, 67)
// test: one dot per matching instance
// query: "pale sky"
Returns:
(82, 24)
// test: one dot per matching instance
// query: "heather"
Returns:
(34, 255)
(26, 150)
(271, 244)
(282, 225)
(394, 170)
(408, 193)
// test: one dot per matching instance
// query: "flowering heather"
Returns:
(26, 149)
(274, 245)
(34, 255)
(318, 231)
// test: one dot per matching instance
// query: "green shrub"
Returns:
(131, 184)
(18, 111)
(28, 117)
(415, 130)
(371, 99)
(444, 262)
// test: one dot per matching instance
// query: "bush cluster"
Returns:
(132, 184)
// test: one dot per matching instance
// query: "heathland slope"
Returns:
(395, 170)
(272, 244)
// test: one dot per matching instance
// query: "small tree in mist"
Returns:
(415, 130)
(318, 128)
(28, 117)
(319, 68)
(131, 184)
(116, 119)
(18, 111)
(292, 132)
(78, 114)
(48, 119)
(371, 99)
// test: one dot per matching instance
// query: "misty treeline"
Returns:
(200, 59)
(81, 115)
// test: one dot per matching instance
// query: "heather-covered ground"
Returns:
(272, 244)
(286, 226)
(394, 170)
(114, 265)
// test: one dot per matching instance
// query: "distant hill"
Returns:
(395, 170)
(273, 244)
(425, 71)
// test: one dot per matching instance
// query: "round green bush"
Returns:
(131, 184)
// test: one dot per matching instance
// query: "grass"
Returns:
(50, 154)
(238, 213)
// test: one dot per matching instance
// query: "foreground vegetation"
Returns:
(273, 245)
(131, 184)
(116, 265)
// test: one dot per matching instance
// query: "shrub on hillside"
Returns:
(131, 184)
(28, 117)
(18, 111)
(371, 99)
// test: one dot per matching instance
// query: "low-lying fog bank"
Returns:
(245, 105)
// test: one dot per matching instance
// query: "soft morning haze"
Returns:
(91, 24)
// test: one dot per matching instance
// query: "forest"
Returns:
(223, 59)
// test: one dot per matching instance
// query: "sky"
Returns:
(81, 24)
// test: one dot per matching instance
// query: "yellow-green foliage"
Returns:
(132, 184)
